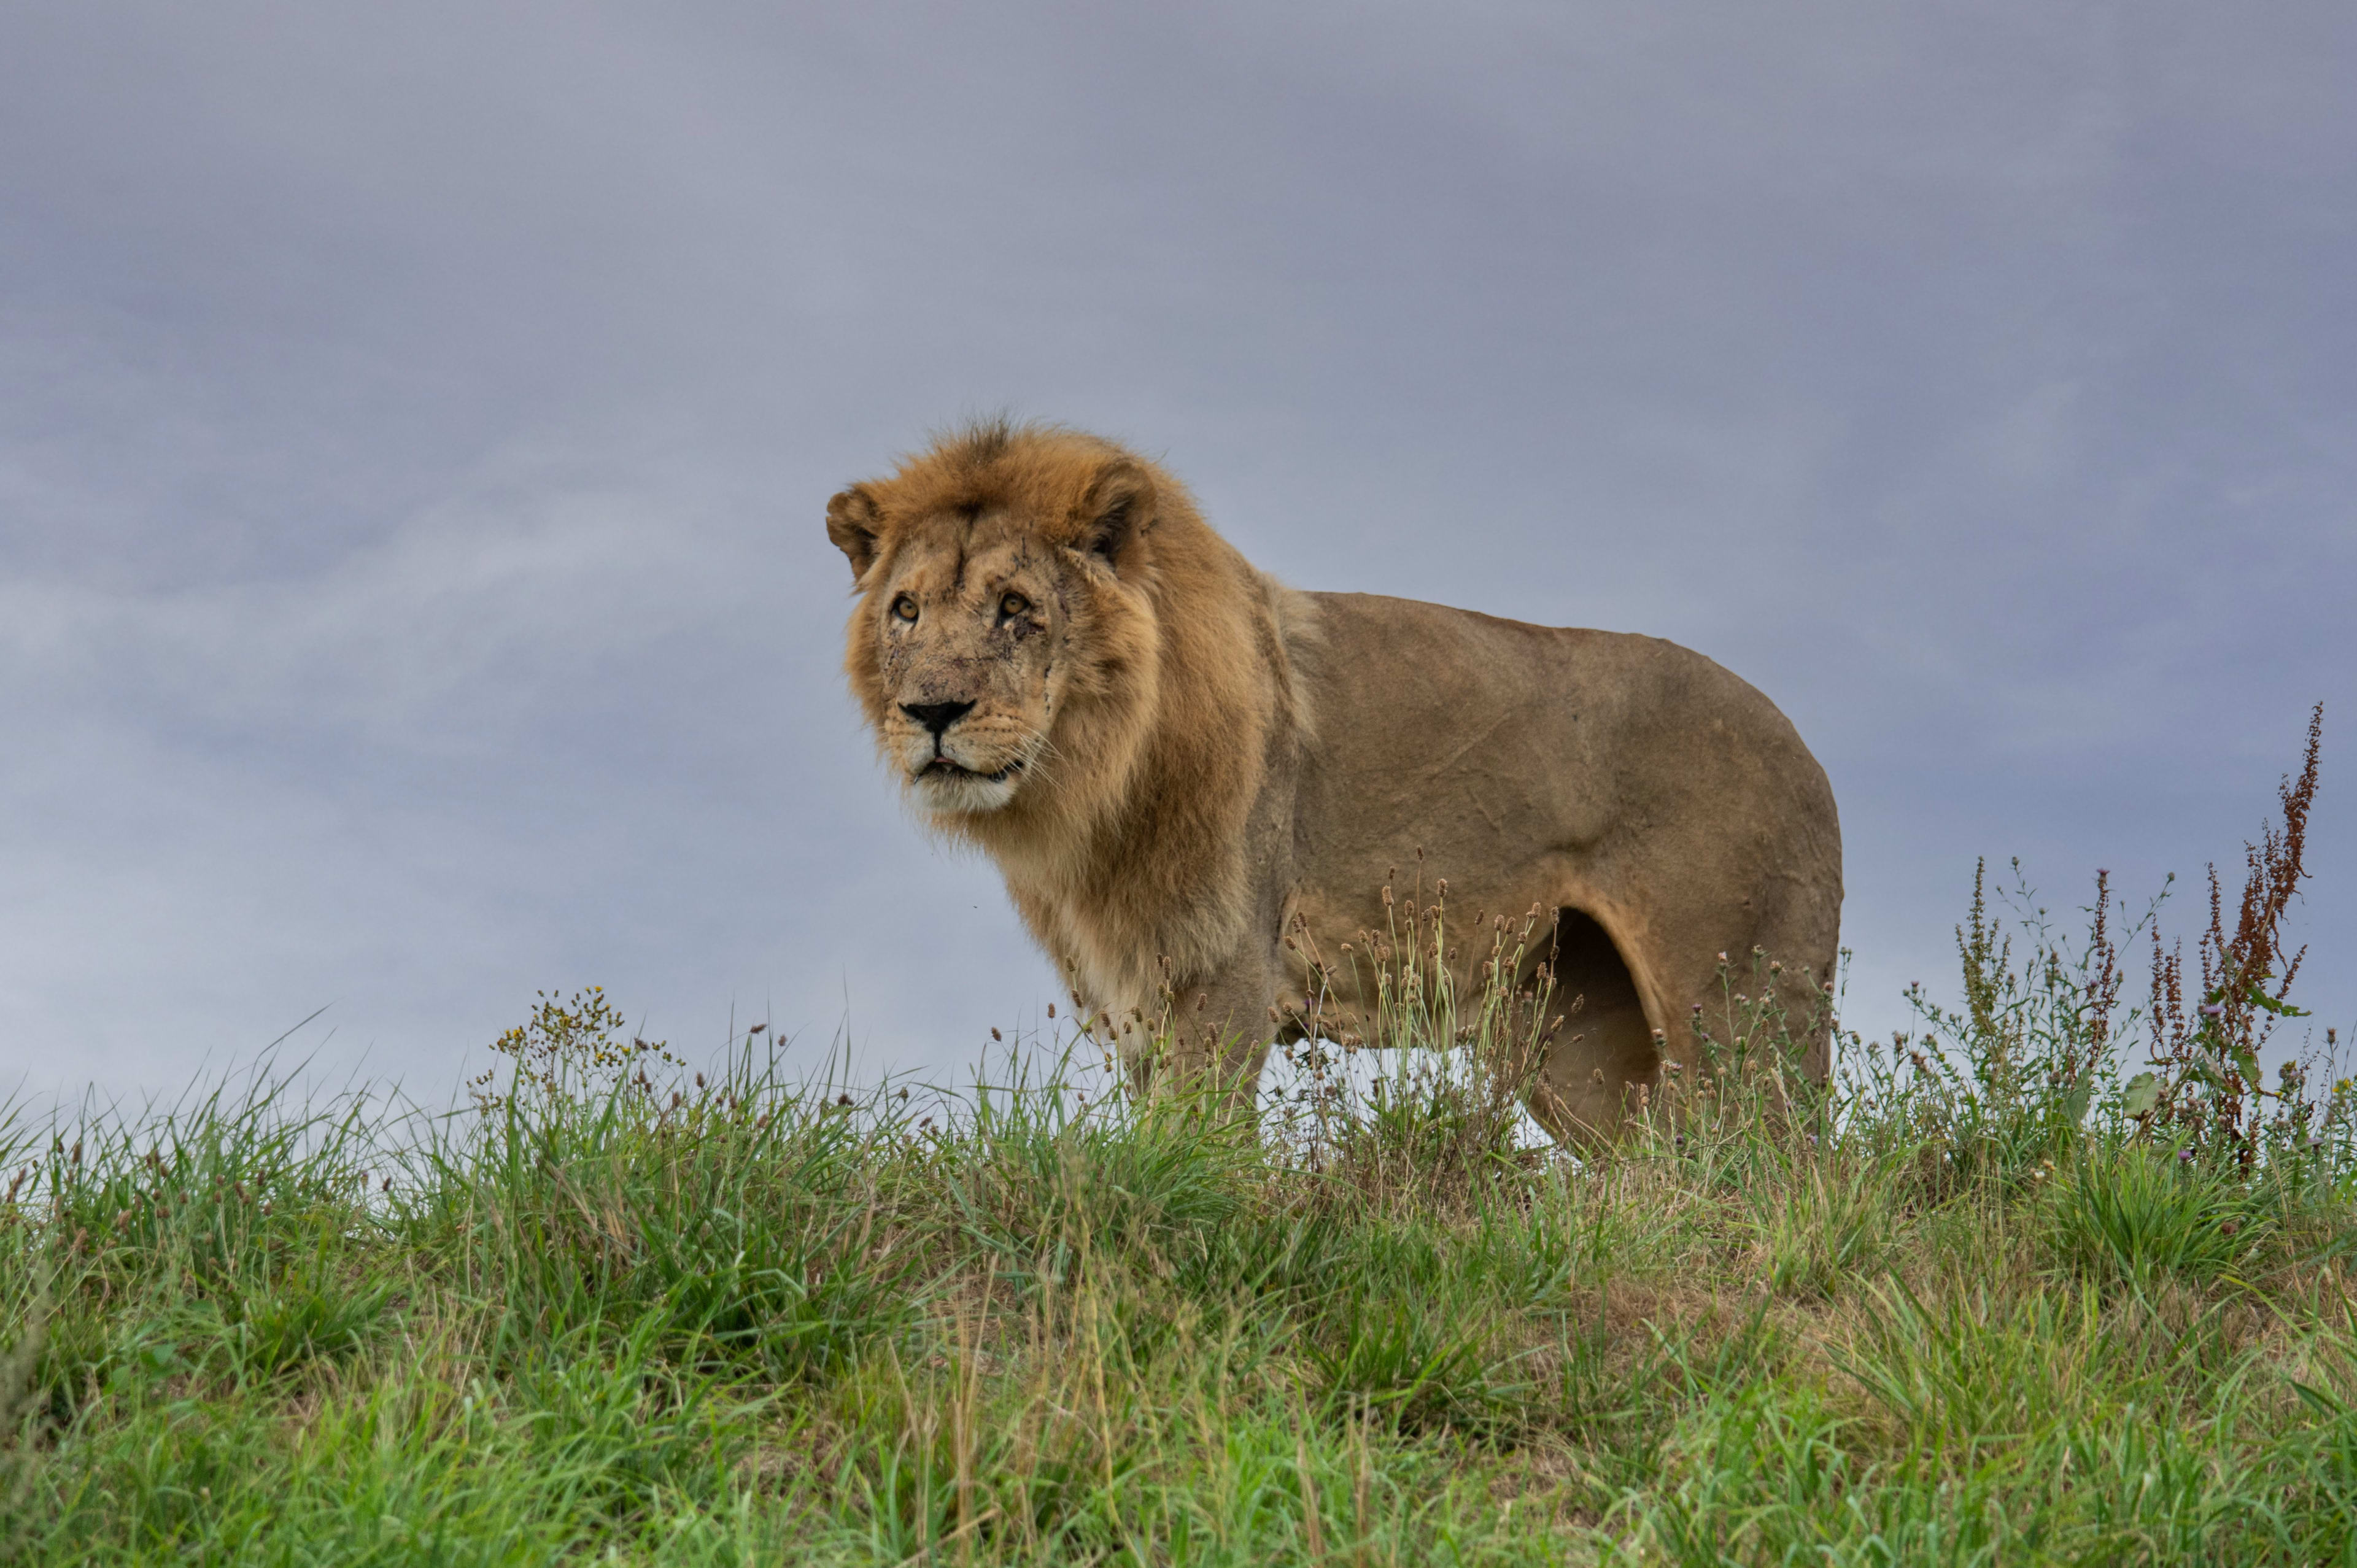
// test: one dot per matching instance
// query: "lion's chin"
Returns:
(945, 786)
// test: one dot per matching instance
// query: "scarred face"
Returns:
(1004, 642)
(966, 623)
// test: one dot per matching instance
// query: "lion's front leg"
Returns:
(1213, 1034)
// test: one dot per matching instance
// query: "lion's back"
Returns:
(1451, 726)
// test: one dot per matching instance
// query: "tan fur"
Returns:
(1171, 757)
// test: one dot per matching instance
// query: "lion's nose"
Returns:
(937, 716)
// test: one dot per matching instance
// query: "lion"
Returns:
(1178, 763)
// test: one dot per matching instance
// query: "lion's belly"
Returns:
(1344, 933)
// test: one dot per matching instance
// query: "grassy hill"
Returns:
(1995, 1298)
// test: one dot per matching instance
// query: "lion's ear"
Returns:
(1118, 509)
(850, 523)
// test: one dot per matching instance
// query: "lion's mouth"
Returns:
(943, 767)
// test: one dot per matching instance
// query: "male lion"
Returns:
(1176, 761)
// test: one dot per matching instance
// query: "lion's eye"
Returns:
(1013, 604)
(904, 609)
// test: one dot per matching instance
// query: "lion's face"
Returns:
(966, 642)
(1002, 634)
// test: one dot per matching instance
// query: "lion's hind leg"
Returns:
(1605, 1047)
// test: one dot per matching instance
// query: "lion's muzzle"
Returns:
(959, 763)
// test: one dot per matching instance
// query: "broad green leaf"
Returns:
(2279, 1008)
(2075, 1101)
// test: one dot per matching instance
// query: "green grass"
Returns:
(758, 1325)
(1990, 1300)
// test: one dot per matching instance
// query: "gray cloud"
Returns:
(414, 427)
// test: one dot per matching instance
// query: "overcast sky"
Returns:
(415, 424)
